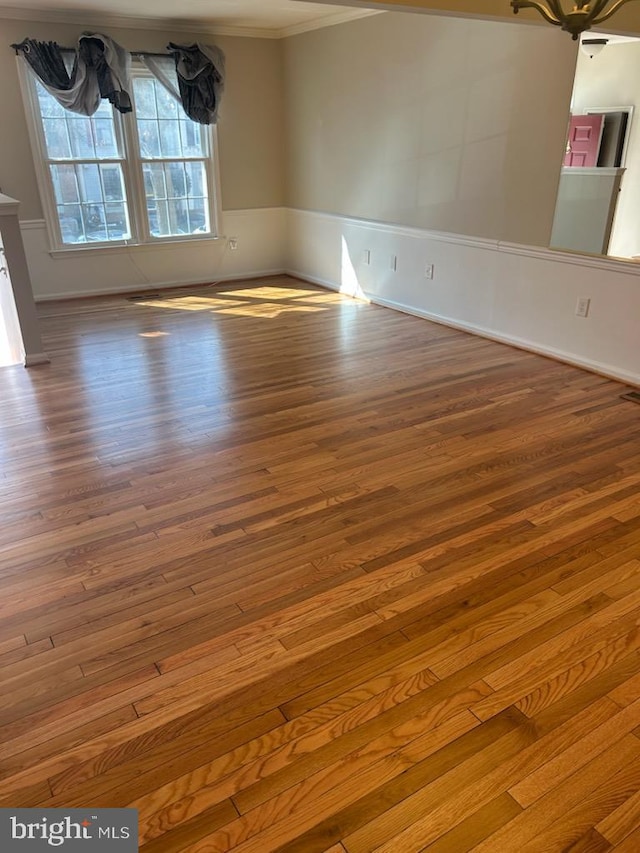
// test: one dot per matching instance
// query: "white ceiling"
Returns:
(276, 17)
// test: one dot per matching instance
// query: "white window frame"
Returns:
(127, 134)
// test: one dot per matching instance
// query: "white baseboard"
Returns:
(517, 295)
(35, 358)
(261, 241)
(606, 370)
(163, 285)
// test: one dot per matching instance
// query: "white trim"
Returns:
(522, 296)
(607, 370)
(593, 171)
(35, 358)
(400, 230)
(8, 206)
(607, 263)
(162, 285)
(261, 250)
(201, 26)
(31, 224)
(114, 246)
(325, 282)
(167, 243)
(576, 259)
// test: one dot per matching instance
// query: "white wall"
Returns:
(517, 294)
(612, 79)
(403, 127)
(260, 232)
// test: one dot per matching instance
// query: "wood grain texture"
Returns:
(289, 572)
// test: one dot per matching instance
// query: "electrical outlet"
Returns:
(429, 271)
(393, 263)
(366, 257)
(582, 307)
(233, 244)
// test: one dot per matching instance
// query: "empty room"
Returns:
(319, 426)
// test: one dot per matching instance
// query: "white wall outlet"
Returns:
(393, 263)
(429, 270)
(366, 257)
(582, 306)
(233, 244)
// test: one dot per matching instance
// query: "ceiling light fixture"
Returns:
(584, 15)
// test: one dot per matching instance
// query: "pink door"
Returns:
(583, 145)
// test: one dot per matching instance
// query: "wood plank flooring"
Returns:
(289, 572)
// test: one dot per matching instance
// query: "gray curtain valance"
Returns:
(100, 68)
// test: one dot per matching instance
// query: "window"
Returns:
(139, 178)
(173, 152)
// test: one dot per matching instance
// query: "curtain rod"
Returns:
(18, 47)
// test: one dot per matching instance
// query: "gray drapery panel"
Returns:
(200, 73)
(100, 69)
(72, 88)
(112, 66)
(163, 69)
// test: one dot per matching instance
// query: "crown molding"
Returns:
(96, 20)
(329, 21)
(196, 25)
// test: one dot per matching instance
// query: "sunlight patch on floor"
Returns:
(269, 292)
(264, 301)
(269, 310)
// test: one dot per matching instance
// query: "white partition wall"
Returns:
(17, 298)
(521, 295)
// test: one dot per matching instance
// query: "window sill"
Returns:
(109, 248)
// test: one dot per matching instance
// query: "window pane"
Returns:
(145, 95)
(68, 135)
(65, 184)
(81, 138)
(149, 135)
(91, 202)
(170, 144)
(192, 143)
(105, 136)
(57, 138)
(165, 131)
(168, 107)
(177, 198)
(117, 221)
(49, 107)
(89, 183)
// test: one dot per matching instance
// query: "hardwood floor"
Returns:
(289, 572)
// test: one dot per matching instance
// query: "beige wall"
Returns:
(250, 127)
(612, 79)
(435, 122)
